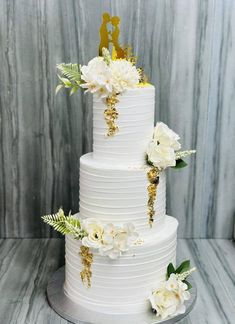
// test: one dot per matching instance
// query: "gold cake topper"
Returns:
(108, 37)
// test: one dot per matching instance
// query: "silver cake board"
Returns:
(80, 315)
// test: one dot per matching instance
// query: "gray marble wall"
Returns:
(187, 47)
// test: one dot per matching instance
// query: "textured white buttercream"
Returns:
(113, 189)
(135, 122)
(119, 195)
(122, 286)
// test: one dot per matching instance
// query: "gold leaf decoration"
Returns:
(87, 259)
(143, 77)
(111, 115)
(153, 178)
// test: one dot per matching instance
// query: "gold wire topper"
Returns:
(111, 37)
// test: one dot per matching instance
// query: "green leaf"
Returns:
(65, 224)
(185, 266)
(180, 164)
(73, 90)
(188, 284)
(170, 270)
(70, 71)
(58, 88)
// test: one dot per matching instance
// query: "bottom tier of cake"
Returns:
(122, 286)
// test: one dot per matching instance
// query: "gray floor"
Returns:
(27, 264)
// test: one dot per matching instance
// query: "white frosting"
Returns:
(113, 189)
(119, 195)
(135, 122)
(122, 286)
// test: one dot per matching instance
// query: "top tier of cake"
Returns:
(135, 123)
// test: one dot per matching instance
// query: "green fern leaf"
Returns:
(65, 224)
(70, 71)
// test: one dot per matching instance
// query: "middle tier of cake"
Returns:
(119, 195)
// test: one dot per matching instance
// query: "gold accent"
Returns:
(87, 259)
(143, 85)
(104, 33)
(143, 76)
(107, 37)
(139, 241)
(153, 178)
(111, 114)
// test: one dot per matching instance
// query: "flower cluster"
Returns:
(101, 75)
(162, 150)
(169, 298)
(105, 79)
(110, 240)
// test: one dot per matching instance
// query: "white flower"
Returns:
(110, 240)
(94, 232)
(172, 284)
(169, 298)
(160, 155)
(124, 75)
(164, 302)
(165, 136)
(97, 77)
(117, 240)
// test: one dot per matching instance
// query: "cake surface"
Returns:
(117, 194)
(135, 122)
(122, 286)
(113, 189)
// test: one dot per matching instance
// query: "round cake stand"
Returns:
(80, 315)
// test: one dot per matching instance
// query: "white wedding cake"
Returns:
(121, 247)
(113, 186)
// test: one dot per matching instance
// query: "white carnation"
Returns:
(160, 155)
(97, 77)
(168, 300)
(124, 75)
(165, 136)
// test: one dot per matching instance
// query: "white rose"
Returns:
(164, 302)
(94, 232)
(161, 156)
(124, 75)
(169, 298)
(165, 136)
(97, 77)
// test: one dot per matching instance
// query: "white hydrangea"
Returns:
(124, 75)
(168, 300)
(97, 77)
(110, 240)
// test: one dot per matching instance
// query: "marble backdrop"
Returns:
(187, 47)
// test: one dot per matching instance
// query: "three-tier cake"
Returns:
(113, 190)
(121, 247)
